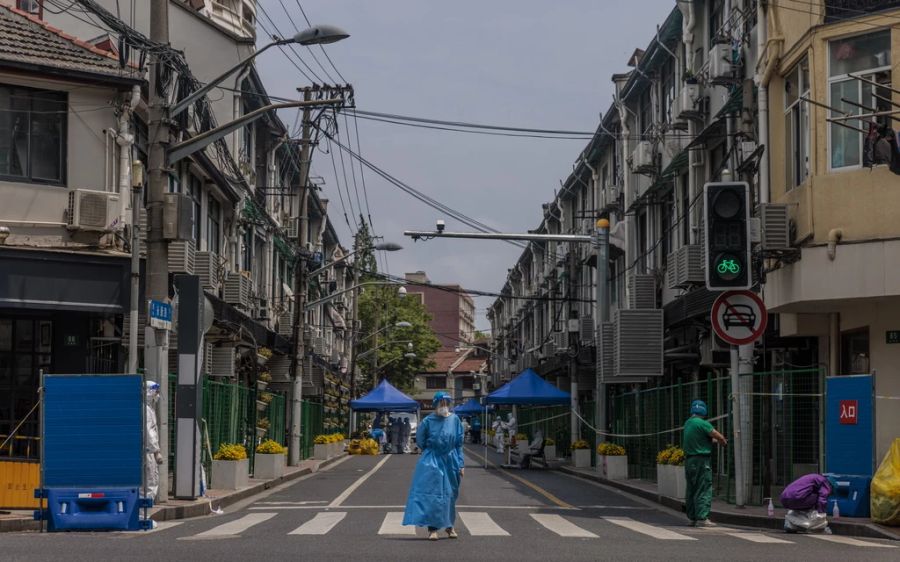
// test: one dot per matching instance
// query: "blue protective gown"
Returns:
(435, 484)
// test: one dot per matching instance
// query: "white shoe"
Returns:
(706, 523)
(432, 536)
(451, 533)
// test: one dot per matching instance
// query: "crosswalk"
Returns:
(484, 524)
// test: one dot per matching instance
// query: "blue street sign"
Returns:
(160, 315)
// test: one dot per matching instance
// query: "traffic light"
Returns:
(727, 235)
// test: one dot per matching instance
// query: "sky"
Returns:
(524, 63)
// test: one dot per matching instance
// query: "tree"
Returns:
(380, 307)
(365, 252)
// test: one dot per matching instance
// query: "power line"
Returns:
(297, 29)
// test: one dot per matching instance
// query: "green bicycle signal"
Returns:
(728, 268)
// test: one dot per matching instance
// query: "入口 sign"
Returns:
(849, 412)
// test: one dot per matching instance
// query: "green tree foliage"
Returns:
(380, 307)
(365, 254)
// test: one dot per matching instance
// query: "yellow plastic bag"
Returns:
(885, 490)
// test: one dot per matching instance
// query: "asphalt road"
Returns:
(351, 510)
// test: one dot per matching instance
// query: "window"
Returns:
(33, 135)
(796, 125)
(434, 383)
(667, 89)
(247, 254)
(645, 114)
(468, 383)
(214, 220)
(716, 18)
(869, 57)
(195, 190)
(855, 352)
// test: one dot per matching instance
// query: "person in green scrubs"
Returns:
(697, 440)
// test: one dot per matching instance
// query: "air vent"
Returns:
(285, 327)
(561, 341)
(206, 266)
(92, 210)
(126, 329)
(279, 367)
(587, 329)
(638, 343)
(222, 362)
(237, 290)
(607, 356)
(181, 257)
(684, 267)
(642, 291)
(775, 226)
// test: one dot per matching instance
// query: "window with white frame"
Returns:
(796, 124)
(33, 135)
(867, 57)
(214, 223)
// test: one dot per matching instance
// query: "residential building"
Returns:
(452, 310)
(461, 372)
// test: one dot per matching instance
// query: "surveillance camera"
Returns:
(440, 225)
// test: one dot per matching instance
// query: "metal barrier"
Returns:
(785, 418)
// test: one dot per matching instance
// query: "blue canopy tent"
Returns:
(471, 408)
(527, 389)
(385, 398)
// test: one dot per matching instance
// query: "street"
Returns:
(353, 509)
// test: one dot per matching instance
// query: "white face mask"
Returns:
(443, 411)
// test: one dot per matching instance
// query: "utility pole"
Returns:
(157, 286)
(355, 326)
(298, 351)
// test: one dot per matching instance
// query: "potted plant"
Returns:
(263, 400)
(612, 462)
(670, 476)
(263, 354)
(230, 467)
(262, 426)
(581, 454)
(269, 462)
(263, 380)
(549, 449)
(321, 447)
(337, 444)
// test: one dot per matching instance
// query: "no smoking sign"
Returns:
(739, 317)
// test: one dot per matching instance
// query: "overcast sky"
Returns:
(526, 63)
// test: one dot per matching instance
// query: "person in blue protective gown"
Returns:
(435, 486)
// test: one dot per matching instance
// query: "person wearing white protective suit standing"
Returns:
(152, 456)
(512, 427)
(499, 427)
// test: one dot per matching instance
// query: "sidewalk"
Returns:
(23, 520)
(722, 512)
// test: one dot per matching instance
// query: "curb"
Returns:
(869, 530)
(171, 513)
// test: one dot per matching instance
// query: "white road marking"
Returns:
(346, 493)
(634, 507)
(758, 537)
(393, 525)
(234, 528)
(480, 524)
(649, 530)
(562, 527)
(492, 507)
(850, 541)
(291, 503)
(321, 524)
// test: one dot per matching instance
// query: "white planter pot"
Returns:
(581, 458)
(230, 475)
(268, 467)
(261, 385)
(664, 484)
(321, 451)
(261, 432)
(261, 406)
(613, 467)
(679, 482)
(550, 452)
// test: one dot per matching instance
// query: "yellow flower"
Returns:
(581, 444)
(270, 447)
(610, 449)
(230, 452)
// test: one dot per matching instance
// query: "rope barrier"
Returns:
(632, 435)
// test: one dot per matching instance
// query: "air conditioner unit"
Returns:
(263, 313)
(586, 330)
(476, 386)
(126, 328)
(561, 341)
(642, 291)
(206, 266)
(712, 354)
(684, 106)
(237, 290)
(181, 257)
(318, 346)
(292, 228)
(279, 367)
(574, 325)
(685, 267)
(92, 210)
(642, 157)
(638, 343)
(285, 327)
(222, 362)
(207, 358)
(775, 226)
(720, 61)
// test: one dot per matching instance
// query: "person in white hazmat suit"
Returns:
(152, 456)
(512, 426)
(499, 427)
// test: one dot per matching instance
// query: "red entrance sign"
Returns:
(849, 412)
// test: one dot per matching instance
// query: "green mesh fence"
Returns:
(784, 415)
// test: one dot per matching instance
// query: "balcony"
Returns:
(238, 16)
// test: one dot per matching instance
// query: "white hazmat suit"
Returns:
(152, 456)
(499, 427)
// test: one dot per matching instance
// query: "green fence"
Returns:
(785, 418)
(231, 415)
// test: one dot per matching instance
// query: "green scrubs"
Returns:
(697, 445)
